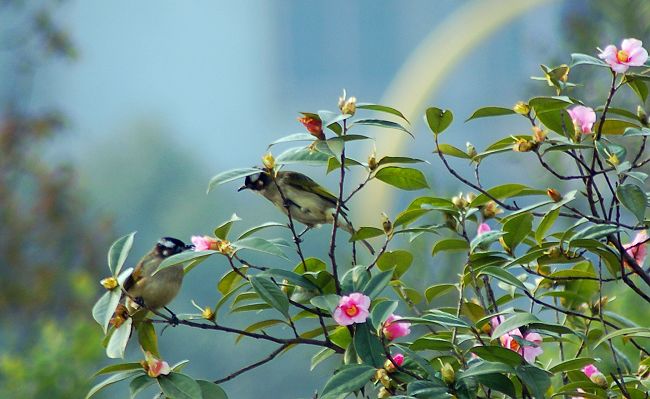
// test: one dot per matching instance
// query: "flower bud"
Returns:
(313, 124)
(521, 108)
(554, 194)
(381, 375)
(448, 374)
(386, 224)
(109, 283)
(523, 145)
(268, 161)
(599, 378)
(641, 114)
(613, 160)
(372, 162)
(471, 150)
(459, 202)
(490, 210)
(539, 136)
(384, 393)
(450, 221)
(347, 106)
(554, 252)
(225, 248)
(469, 197)
(208, 313)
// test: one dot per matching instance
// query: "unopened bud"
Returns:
(599, 379)
(268, 161)
(109, 283)
(490, 210)
(459, 202)
(450, 221)
(521, 108)
(225, 247)
(208, 313)
(372, 162)
(381, 375)
(347, 106)
(471, 150)
(314, 125)
(523, 145)
(384, 393)
(386, 224)
(554, 252)
(641, 114)
(613, 160)
(448, 374)
(469, 197)
(554, 194)
(539, 136)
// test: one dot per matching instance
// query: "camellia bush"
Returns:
(534, 315)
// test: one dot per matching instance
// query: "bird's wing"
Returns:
(303, 182)
(134, 276)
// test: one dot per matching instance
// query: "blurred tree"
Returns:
(49, 240)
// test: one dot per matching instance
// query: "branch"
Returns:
(267, 359)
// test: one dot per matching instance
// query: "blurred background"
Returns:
(114, 116)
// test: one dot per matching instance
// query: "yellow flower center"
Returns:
(352, 310)
(622, 56)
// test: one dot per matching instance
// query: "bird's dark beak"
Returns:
(242, 188)
(189, 247)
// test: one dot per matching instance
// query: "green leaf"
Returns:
(485, 239)
(484, 368)
(366, 232)
(293, 137)
(388, 160)
(382, 123)
(614, 126)
(546, 104)
(633, 131)
(558, 121)
(118, 253)
(377, 283)
(497, 382)
(428, 390)
(114, 368)
(112, 380)
(381, 108)
(210, 390)
(452, 151)
(347, 380)
(436, 290)
(639, 87)
(119, 339)
(262, 226)
(179, 386)
(139, 384)
(381, 311)
(326, 302)
(400, 260)
(302, 155)
(547, 222)
(537, 380)
(503, 275)
(634, 199)
(105, 307)
(438, 120)
(320, 356)
(584, 59)
(409, 216)
(450, 244)
(222, 231)
(183, 257)
(498, 192)
(271, 294)
(517, 229)
(430, 343)
(259, 245)
(230, 280)
(498, 354)
(486, 112)
(147, 338)
(292, 277)
(572, 364)
(632, 332)
(368, 346)
(230, 175)
(523, 319)
(402, 178)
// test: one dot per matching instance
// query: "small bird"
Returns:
(309, 202)
(156, 291)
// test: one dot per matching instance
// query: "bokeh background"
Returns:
(115, 114)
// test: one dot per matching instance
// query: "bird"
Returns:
(156, 291)
(307, 201)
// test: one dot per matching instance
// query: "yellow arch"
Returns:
(424, 71)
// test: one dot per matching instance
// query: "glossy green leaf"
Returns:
(259, 245)
(584, 59)
(537, 380)
(486, 112)
(632, 332)
(347, 380)
(114, 368)
(484, 368)
(634, 199)
(572, 364)
(363, 233)
(293, 137)
(482, 241)
(503, 275)
(230, 175)
(105, 307)
(523, 319)
(302, 155)
(409, 216)
(271, 294)
(438, 120)
(179, 386)
(498, 354)
(112, 380)
(399, 260)
(185, 257)
(614, 126)
(382, 123)
(230, 280)
(210, 390)
(517, 229)
(147, 338)
(118, 252)
(377, 283)
(262, 226)
(381, 108)
(449, 244)
(291, 277)
(547, 222)
(368, 346)
(321, 355)
(634, 131)
(428, 390)
(119, 339)
(499, 192)
(452, 151)
(326, 302)
(437, 290)
(139, 384)
(223, 229)
(389, 160)
(402, 178)
(381, 311)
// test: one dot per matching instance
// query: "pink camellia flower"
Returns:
(155, 366)
(529, 352)
(483, 228)
(583, 118)
(590, 370)
(204, 243)
(352, 309)
(398, 358)
(393, 329)
(637, 248)
(631, 54)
